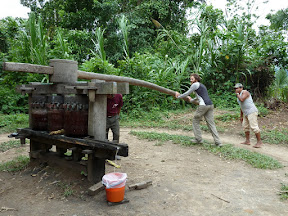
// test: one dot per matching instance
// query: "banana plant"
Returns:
(280, 86)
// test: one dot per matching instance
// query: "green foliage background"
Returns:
(157, 41)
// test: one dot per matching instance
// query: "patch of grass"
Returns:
(160, 143)
(17, 164)
(227, 117)
(9, 145)
(156, 118)
(227, 151)
(9, 123)
(164, 120)
(163, 137)
(262, 110)
(275, 136)
(283, 192)
(253, 158)
(67, 190)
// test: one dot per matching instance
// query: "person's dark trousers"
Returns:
(112, 122)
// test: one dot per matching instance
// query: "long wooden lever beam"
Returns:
(32, 68)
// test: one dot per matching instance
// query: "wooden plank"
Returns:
(96, 188)
(139, 186)
(75, 88)
(51, 88)
(86, 87)
(25, 67)
(69, 142)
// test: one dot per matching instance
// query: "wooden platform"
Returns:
(98, 151)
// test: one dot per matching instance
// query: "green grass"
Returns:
(227, 151)
(173, 121)
(164, 119)
(15, 165)
(9, 145)
(262, 110)
(275, 136)
(67, 190)
(10, 123)
(283, 192)
(227, 117)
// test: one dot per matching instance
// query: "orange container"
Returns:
(115, 194)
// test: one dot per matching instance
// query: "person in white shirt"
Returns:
(248, 115)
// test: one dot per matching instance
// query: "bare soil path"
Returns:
(186, 181)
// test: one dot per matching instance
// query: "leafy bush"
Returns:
(168, 73)
(12, 102)
(224, 99)
(262, 110)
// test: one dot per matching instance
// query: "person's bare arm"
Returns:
(241, 116)
(244, 95)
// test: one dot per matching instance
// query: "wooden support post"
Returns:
(97, 115)
(30, 109)
(96, 167)
(60, 151)
(76, 153)
(22, 141)
(36, 147)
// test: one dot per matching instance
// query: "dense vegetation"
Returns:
(156, 41)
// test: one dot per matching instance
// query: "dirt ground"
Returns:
(185, 180)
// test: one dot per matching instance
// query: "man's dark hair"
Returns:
(196, 76)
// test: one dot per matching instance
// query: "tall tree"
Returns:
(279, 20)
(87, 15)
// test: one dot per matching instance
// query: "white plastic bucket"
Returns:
(115, 186)
(114, 180)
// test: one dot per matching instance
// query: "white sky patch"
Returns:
(263, 9)
(13, 8)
